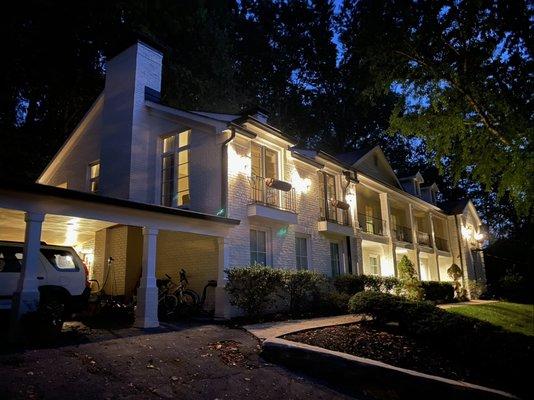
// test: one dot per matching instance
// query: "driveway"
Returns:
(186, 361)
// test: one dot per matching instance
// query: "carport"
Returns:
(31, 213)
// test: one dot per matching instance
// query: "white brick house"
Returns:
(297, 208)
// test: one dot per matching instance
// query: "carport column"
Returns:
(26, 298)
(223, 308)
(146, 314)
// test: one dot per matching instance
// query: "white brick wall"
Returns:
(282, 245)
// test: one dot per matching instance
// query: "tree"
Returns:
(411, 286)
(462, 71)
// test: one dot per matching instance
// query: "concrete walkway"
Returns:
(467, 303)
(270, 330)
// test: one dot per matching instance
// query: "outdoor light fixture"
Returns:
(237, 163)
(466, 232)
(301, 185)
(479, 236)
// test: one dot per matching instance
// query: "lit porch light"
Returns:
(466, 232)
(71, 234)
(351, 198)
(301, 185)
(237, 163)
(479, 236)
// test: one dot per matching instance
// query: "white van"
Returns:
(62, 278)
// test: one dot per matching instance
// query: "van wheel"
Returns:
(52, 311)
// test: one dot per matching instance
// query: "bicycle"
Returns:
(176, 299)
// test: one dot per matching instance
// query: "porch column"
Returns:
(26, 298)
(388, 229)
(146, 314)
(413, 227)
(434, 246)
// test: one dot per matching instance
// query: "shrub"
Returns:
(381, 283)
(476, 288)
(438, 292)
(300, 287)
(349, 284)
(252, 288)
(456, 273)
(332, 302)
(411, 287)
(383, 307)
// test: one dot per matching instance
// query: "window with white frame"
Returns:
(327, 189)
(175, 170)
(301, 251)
(94, 176)
(264, 161)
(258, 247)
(335, 260)
(374, 264)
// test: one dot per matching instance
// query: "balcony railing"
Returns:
(371, 225)
(423, 238)
(335, 214)
(402, 234)
(265, 195)
(442, 244)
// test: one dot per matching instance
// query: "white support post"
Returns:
(434, 246)
(413, 227)
(26, 298)
(223, 309)
(146, 314)
(388, 228)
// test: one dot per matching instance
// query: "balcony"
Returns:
(442, 244)
(402, 234)
(336, 221)
(423, 239)
(275, 201)
(371, 225)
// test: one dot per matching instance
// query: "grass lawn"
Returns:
(510, 316)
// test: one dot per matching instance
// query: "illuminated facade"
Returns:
(298, 208)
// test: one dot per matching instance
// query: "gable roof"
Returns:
(454, 207)
(360, 164)
(352, 157)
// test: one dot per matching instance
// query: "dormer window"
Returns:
(175, 170)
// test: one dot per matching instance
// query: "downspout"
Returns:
(224, 174)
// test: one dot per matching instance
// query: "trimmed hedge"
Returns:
(438, 292)
(352, 284)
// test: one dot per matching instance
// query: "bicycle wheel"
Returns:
(167, 306)
(188, 302)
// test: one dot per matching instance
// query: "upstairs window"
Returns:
(175, 170)
(327, 187)
(94, 177)
(264, 162)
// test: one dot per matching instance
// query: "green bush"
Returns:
(349, 284)
(456, 273)
(438, 292)
(301, 287)
(410, 284)
(332, 302)
(476, 288)
(253, 288)
(383, 307)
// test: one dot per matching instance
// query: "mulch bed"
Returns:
(390, 346)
